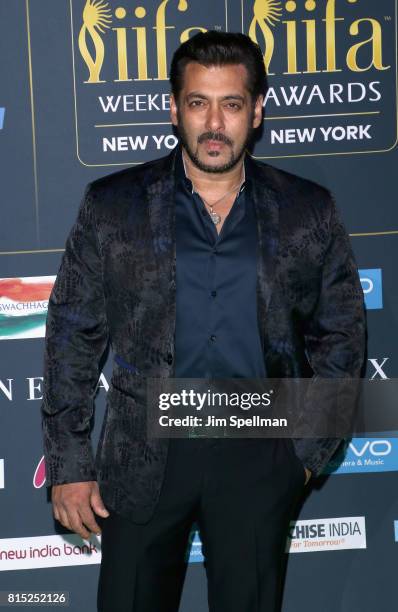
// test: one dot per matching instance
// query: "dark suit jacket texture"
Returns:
(116, 283)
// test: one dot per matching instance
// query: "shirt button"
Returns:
(213, 293)
(213, 337)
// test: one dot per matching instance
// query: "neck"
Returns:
(213, 181)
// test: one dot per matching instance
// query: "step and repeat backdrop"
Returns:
(84, 92)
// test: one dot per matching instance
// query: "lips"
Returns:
(214, 145)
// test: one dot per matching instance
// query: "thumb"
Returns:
(98, 505)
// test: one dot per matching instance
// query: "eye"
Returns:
(234, 105)
(195, 103)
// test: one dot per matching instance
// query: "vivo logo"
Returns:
(371, 281)
(375, 447)
(366, 455)
(367, 284)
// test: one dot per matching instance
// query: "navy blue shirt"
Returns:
(217, 333)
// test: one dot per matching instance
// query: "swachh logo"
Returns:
(23, 306)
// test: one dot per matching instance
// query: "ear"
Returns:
(258, 111)
(173, 110)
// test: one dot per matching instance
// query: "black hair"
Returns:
(213, 48)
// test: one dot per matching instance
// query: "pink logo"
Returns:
(40, 474)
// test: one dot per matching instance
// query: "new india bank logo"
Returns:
(331, 66)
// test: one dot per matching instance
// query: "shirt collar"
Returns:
(182, 178)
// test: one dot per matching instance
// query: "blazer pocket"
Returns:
(126, 419)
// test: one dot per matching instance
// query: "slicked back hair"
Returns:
(213, 48)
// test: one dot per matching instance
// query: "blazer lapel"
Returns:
(266, 203)
(161, 210)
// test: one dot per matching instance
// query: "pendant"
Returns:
(215, 218)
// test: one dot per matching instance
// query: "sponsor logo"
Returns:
(39, 477)
(311, 535)
(2, 113)
(371, 281)
(34, 387)
(1, 473)
(23, 306)
(366, 455)
(326, 534)
(378, 368)
(48, 551)
(121, 55)
(195, 555)
(332, 69)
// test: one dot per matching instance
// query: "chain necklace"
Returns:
(215, 217)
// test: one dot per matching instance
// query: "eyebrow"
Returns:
(203, 97)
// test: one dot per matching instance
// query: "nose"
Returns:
(214, 118)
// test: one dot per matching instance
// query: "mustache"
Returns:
(214, 136)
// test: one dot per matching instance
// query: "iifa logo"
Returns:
(297, 37)
(371, 281)
(2, 112)
(366, 455)
(122, 52)
(98, 17)
(332, 75)
(331, 64)
(291, 40)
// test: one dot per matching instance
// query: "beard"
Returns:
(194, 154)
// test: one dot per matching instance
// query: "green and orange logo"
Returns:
(23, 306)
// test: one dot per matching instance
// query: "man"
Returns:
(204, 263)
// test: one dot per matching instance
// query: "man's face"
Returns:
(215, 115)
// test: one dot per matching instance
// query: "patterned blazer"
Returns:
(116, 284)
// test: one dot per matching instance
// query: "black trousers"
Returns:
(242, 495)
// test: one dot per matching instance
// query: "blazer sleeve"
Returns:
(335, 336)
(76, 337)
